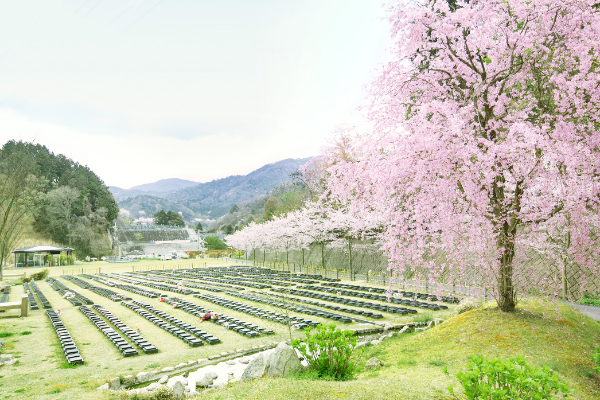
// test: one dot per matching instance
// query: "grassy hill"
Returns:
(414, 363)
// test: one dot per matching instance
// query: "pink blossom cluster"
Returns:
(486, 139)
(484, 154)
(317, 223)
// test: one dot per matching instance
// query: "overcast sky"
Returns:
(144, 90)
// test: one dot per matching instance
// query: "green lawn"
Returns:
(413, 363)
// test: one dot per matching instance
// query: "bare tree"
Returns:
(18, 190)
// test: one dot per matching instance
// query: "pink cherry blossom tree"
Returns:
(486, 132)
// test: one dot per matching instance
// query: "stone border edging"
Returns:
(151, 376)
(411, 326)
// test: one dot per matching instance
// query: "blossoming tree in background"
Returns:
(486, 131)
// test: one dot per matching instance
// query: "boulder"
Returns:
(178, 390)
(5, 357)
(145, 376)
(202, 360)
(205, 381)
(153, 386)
(244, 360)
(163, 380)
(128, 380)
(374, 363)
(103, 387)
(175, 379)
(211, 375)
(10, 362)
(115, 383)
(375, 342)
(283, 360)
(181, 365)
(257, 368)
(168, 369)
(361, 344)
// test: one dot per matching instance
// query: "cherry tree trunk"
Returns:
(506, 294)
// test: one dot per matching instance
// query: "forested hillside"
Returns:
(207, 200)
(69, 204)
(148, 205)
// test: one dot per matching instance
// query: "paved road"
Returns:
(590, 311)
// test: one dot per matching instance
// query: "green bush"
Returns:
(509, 378)
(596, 359)
(162, 393)
(423, 317)
(40, 276)
(328, 352)
(589, 300)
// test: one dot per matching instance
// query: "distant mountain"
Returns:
(206, 200)
(124, 194)
(165, 185)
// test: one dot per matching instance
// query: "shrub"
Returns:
(596, 360)
(509, 378)
(468, 304)
(162, 393)
(423, 317)
(39, 276)
(328, 352)
(589, 300)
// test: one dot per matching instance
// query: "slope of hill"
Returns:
(211, 199)
(151, 204)
(216, 198)
(165, 185)
(123, 194)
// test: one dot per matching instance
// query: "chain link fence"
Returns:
(533, 271)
